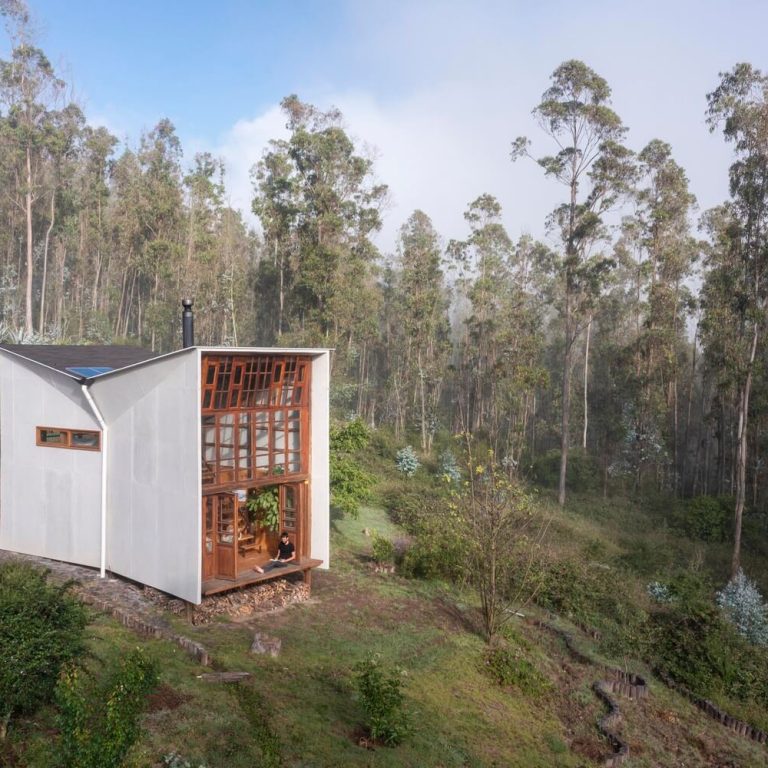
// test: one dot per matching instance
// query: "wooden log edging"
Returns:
(146, 627)
(635, 687)
(607, 723)
(739, 727)
(617, 681)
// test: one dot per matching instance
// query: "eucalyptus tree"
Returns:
(161, 218)
(319, 205)
(200, 272)
(29, 91)
(660, 232)
(595, 168)
(498, 366)
(483, 263)
(64, 146)
(126, 240)
(93, 198)
(277, 204)
(422, 349)
(738, 276)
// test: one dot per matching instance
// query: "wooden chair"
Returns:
(246, 539)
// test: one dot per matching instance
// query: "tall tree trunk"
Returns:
(28, 324)
(422, 404)
(686, 439)
(566, 405)
(741, 456)
(97, 270)
(41, 320)
(586, 383)
(281, 294)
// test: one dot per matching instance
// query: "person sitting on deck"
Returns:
(286, 552)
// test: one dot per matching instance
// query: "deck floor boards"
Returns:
(246, 578)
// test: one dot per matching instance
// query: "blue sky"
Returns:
(434, 90)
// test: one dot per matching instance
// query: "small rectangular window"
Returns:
(88, 440)
(78, 439)
(53, 437)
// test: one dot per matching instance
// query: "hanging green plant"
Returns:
(263, 507)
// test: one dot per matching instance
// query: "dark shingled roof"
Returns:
(63, 356)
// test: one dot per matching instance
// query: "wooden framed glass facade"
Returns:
(255, 430)
(255, 418)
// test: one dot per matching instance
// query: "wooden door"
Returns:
(291, 514)
(226, 536)
(209, 536)
(219, 536)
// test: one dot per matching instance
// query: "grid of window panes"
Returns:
(238, 382)
(254, 435)
(290, 506)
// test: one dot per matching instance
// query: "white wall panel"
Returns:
(319, 458)
(49, 497)
(154, 505)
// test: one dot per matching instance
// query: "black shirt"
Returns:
(285, 550)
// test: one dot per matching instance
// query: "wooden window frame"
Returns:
(255, 382)
(259, 392)
(67, 432)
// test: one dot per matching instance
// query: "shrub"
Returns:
(577, 590)
(743, 606)
(349, 437)
(383, 549)
(645, 558)
(99, 727)
(449, 469)
(507, 666)
(659, 592)
(382, 698)
(706, 518)
(582, 473)
(691, 644)
(406, 506)
(439, 549)
(350, 484)
(175, 760)
(406, 461)
(41, 629)
(596, 598)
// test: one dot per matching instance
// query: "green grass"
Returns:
(349, 532)
(301, 709)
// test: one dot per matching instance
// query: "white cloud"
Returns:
(242, 147)
(427, 149)
(439, 90)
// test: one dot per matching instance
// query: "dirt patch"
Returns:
(165, 698)
(579, 720)
(8, 757)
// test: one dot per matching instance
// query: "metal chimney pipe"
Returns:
(187, 324)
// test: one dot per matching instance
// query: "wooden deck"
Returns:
(246, 578)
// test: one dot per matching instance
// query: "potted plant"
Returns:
(263, 507)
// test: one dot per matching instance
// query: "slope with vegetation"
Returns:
(383, 669)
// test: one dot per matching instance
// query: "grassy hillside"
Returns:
(302, 709)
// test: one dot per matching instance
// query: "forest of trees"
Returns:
(632, 339)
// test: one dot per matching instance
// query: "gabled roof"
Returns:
(64, 357)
